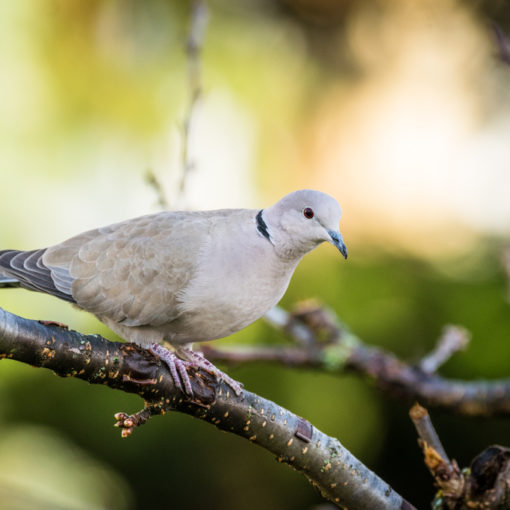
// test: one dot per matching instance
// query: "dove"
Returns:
(169, 279)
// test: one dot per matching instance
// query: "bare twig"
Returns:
(389, 374)
(194, 44)
(446, 474)
(426, 431)
(452, 340)
(155, 184)
(340, 477)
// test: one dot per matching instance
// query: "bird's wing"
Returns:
(131, 272)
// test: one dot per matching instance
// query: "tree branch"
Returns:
(339, 476)
(335, 349)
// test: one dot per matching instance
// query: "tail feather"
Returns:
(6, 282)
(26, 269)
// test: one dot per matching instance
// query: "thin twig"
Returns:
(446, 474)
(155, 184)
(194, 45)
(426, 431)
(193, 48)
(453, 339)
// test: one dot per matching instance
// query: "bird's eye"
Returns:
(308, 212)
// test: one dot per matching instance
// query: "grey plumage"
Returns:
(181, 277)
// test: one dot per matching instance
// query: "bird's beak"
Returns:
(337, 240)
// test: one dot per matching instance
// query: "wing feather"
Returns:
(131, 272)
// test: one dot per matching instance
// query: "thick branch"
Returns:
(339, 476)
(337, 350)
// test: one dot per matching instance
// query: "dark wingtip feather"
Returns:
(6, 282)
(26, 269)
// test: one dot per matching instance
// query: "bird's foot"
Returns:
(197, 358)
(177, 367)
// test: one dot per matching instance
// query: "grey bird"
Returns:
(172, 278)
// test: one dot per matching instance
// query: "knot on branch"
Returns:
(485, 485)
(446, 473)
(141, 366)
(143, 369)
(489, 477)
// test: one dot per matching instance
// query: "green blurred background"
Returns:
(399, 109)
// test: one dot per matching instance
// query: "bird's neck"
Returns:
(288, 244)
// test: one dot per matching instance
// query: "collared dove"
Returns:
(181, 277)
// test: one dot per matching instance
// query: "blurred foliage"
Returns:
(93, 95)
(41, 469)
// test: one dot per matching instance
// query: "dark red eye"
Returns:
(308, 213)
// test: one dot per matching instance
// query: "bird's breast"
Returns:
(233, 288)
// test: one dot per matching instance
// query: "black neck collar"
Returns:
(261, 226)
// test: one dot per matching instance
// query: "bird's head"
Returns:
(302, 220)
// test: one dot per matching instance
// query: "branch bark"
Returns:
(333, 470)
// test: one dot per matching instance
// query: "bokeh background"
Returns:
(399, 109)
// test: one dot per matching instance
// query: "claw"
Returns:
(178, 366)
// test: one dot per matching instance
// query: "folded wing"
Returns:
(130, 272)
